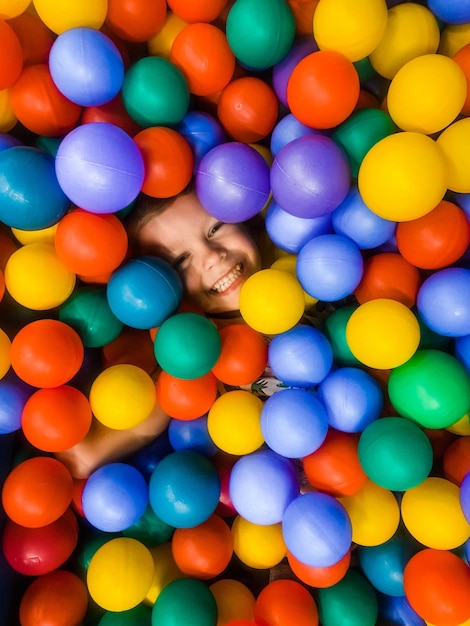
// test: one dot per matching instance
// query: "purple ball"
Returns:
(310, 176)
(99, 167)
(283, 70)
(232, 182)
(465, 496)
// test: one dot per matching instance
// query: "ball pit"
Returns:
(318, 124)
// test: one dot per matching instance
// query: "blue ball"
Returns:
(30, 195)
(353, 219)
(465, 496)
(203, 132)
(192, 435)
(450, 11)
(286, 130)
(99, 167)
(443, 302)
(291, 233)
(14, 394)
(317, 529)
(301, 356)
(397, 610)
(184, 489)
(144, 292)
(261, 486)
(86, 66)
(329, 267)
(8, 141)
(462, 350)
(294, 423)
(114, 497)
(352, 398)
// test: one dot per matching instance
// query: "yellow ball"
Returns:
(432, 513)
(374, 514)
(403, 176)
(36, 278)
(382, 333)
(5, 347)
(352, 28)
(412, 30)
(258, 546)
(165, 571)
(288, 263)
(427, 94)
(122, 396)
(44, 235)
(454, 37)
(462, 426)
(120, 574)
(7, 117)
(12, 8)
(272, 301)
(234, 601)
(160, 44)
(61, 15)
(234, 424)
(454, 142)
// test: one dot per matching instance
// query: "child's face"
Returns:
(213, 258)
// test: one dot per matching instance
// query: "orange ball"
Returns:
(186, 399)
(168, 161)
(203, 551)
(35, 38)
(197, 10)
(285, 602)
(462, 58)
(303, 11)
(40, 106)
(243, 356)
(201, 51)
(90, 244)
(323, 89)
(248, 109)
(11, 59)
(320, 577)
(112, 112)
(456, 460)
(56, 419)
(2, 284)
(136, 20)
(46, 353)
(388, 275)
(437, 239)
(37, 492)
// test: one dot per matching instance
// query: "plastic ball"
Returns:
(461, 57)
(262, 485)
(353, 219)
(320, 577)
(456, 460)
(35, 200)
(443, 302)
(14, 393)
(37, 492)
(160, 43)
(56, 419)
(5, 346)
(464, 496)
(310, 176)
(335, 330)
(40, 550)
(232, 182)
(192, 435)
(282, 70)
(99, 167)
(353, 591)
(12, 61)
(383, 333)
(184, 489)
(432, 514)
(155, 92)
(437, 584)
(8, 118)
(317, 529)
(334, 467)
(260, 34)
(452, 12)
(258, 546)
(61, 595)
(53, 114)
(202, 131)
(186, 400)
(12, 8)
(122, 396)
(329, 267)
(271, 301)
(294, 423)
(286, 602)
(113, 112)
(352, 397)
(120, 574)
(452, 142)
(248, 109)
(46, 353)
(199, 606)
(403, 176)
(301, 356)
(234, 422)
(323, 89)
(287, 263)
(442, 381)
(197, 11)
(86, 66)
(62, 16)
(136, 21)
(234, 600)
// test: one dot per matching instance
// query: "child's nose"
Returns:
(212, 255)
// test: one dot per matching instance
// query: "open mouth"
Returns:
(227, 281)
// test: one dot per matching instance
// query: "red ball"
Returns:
(56, 599)
(320, 577)
(243, 356)
(186, 399)
(35, 38)
(136, 20)
(197, 10)
(248, 109)
(224, 463)
(323, 89)
(462, 58)
(456, 460)
(285, 602)
(112, 112)
(11, 59)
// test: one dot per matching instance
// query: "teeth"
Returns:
(223, 284)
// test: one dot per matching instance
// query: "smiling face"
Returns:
(213, 258)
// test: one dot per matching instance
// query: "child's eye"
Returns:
(215, 228)
(179, 261)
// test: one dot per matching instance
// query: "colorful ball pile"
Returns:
(320, 476)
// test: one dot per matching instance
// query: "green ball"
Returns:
(187, 345)
(87, 311)
(260, 32)
(395, 453)
(432, 388)
(155, 92)
(140, 615)
(351, 602)
(149, 529)
(185, 601)
(335, 330)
